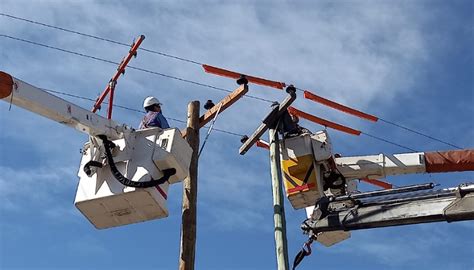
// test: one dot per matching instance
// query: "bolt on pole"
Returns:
(188, 223)
(278, 203)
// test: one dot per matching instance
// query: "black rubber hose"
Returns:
(167, 173)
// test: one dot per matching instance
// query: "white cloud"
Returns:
(40, 186)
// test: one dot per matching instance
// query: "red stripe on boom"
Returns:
(162, 192)
(300, 188)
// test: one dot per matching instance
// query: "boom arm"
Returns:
(453, 204)
(36, 100)
(379, 166)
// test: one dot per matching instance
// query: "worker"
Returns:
(153, 117)
(291, 127)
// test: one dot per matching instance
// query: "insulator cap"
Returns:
(290, 89)
(242, 80)
(209, 104)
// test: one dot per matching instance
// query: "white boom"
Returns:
(124, 173)
(36, 100)
(380, 166)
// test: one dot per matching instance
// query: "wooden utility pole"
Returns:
(278, 203)
(188, 219)
(188, 222)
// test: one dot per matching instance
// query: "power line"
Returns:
(216, 129)
(409, 129)
(167, 76)
(130, 67)
(419, 133)
(387, 141)
(134, 110)
(193, 62)
(99, 38)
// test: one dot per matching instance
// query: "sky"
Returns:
(409, 62)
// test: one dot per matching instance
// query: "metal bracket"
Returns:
(462, 207)
(269, 121)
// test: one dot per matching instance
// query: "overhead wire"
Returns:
(99, 38)
(407, 129)
(192, 62)
(216, 129)
(133, 110)
(131, 67)
(419, 133)
(171, 77)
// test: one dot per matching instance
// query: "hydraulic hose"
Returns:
(167, 173)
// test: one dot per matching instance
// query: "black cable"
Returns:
(387, 141)
(131, 67)
(419, 133)
(108, 145)
(99, 38)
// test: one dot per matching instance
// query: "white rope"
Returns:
(209, 130)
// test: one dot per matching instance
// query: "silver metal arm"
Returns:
(453, 204)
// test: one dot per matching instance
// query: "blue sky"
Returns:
(410, 63)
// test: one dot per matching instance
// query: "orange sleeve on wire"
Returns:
(323, 122)
(377, 182)
(120, 70)
(261, 144)
(235, 75)
(340, 107)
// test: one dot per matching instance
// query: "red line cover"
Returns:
(377, 182)
(235, 75)
(262, 144)
(340, 107)
(323, 122)
(117, 74)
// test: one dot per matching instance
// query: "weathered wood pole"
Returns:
(188, 222)
(278, 203)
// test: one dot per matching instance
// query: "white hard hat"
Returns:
(150, 101)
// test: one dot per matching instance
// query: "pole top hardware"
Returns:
(209, 104)
(242, 80)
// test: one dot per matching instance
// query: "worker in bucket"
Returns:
(153, 117)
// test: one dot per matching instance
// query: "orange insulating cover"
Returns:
(450, 161)
(323, 122)
(6, 84)
(377, 182)
(235, 75)
(120, 71)
(337, 106)
(262, 144)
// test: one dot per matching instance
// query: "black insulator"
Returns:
(209, 104)
(244, 139)
(290, 89)
(242, 80)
